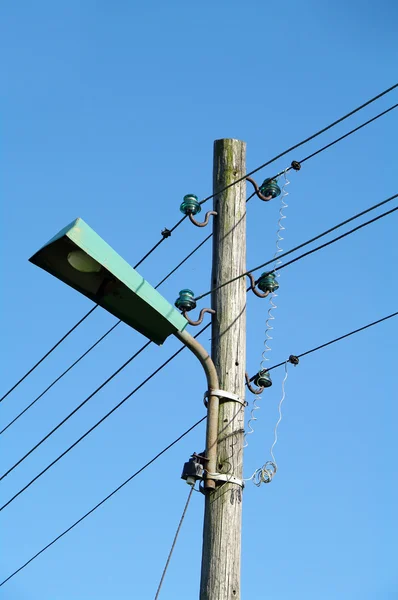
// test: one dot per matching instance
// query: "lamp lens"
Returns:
(82, 262)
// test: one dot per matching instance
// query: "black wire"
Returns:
(105, 499)
(102, 337)
(342, 137)
(170, 231)
(336, 239)
(272, 260)
(342, 337)
(108, 414)
(184, 512)
(348, 134)
(178, 439)
(202, 296)
(48, 353)
(185, 259)
(222, 190)
(59, 378)
(50, 433)
(304, 141)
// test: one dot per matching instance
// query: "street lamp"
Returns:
(82, 259)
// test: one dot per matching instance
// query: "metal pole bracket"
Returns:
(223, 396)
(225, 478)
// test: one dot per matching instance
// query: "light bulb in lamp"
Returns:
(82, 262)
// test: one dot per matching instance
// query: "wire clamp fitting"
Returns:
(296, 165)
(166, 233)
(191, 206)
(294, 360)
(224, 396)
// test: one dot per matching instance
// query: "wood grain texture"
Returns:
(223, 508)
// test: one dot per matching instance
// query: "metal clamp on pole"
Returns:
(224, 477)
(223, 395)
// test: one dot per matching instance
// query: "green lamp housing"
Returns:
(82, 259)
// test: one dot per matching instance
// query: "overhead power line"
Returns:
(104, 500)
(356, 216)
(339, 139)
(108, 414)
(59, 378)
(199, 246)
(311, 137)
(355, 331)
(203, 295)
(48, 353)
(336, 239)
(306, 140)
(74, 411)
(100, 340)
(338, 339)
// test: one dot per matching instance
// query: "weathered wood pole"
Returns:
(220, 579)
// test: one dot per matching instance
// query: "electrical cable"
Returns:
(108, 414)
(48, 353)
(342, 137)
(177, 440)
(338, 339)
(348, 134)
(101, 338)
(104, 500)
(174, 542)
(59, 378)
(305, 141)
(335, 227)
(310, 241)
(170, 231)
(74, 411)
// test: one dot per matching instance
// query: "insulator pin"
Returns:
(267, 282)
(269, 187)
(190, 205)
(263, 379)
(185, 300)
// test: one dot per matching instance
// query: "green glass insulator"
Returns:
(185, 300)
(267, 282)
(190, 205)
(263, 379)
(269, 187)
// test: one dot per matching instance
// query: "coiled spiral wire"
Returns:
(273, 306)
(266, 473)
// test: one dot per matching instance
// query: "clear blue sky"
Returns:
(109, 113)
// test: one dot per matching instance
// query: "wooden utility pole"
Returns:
(220, 579)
